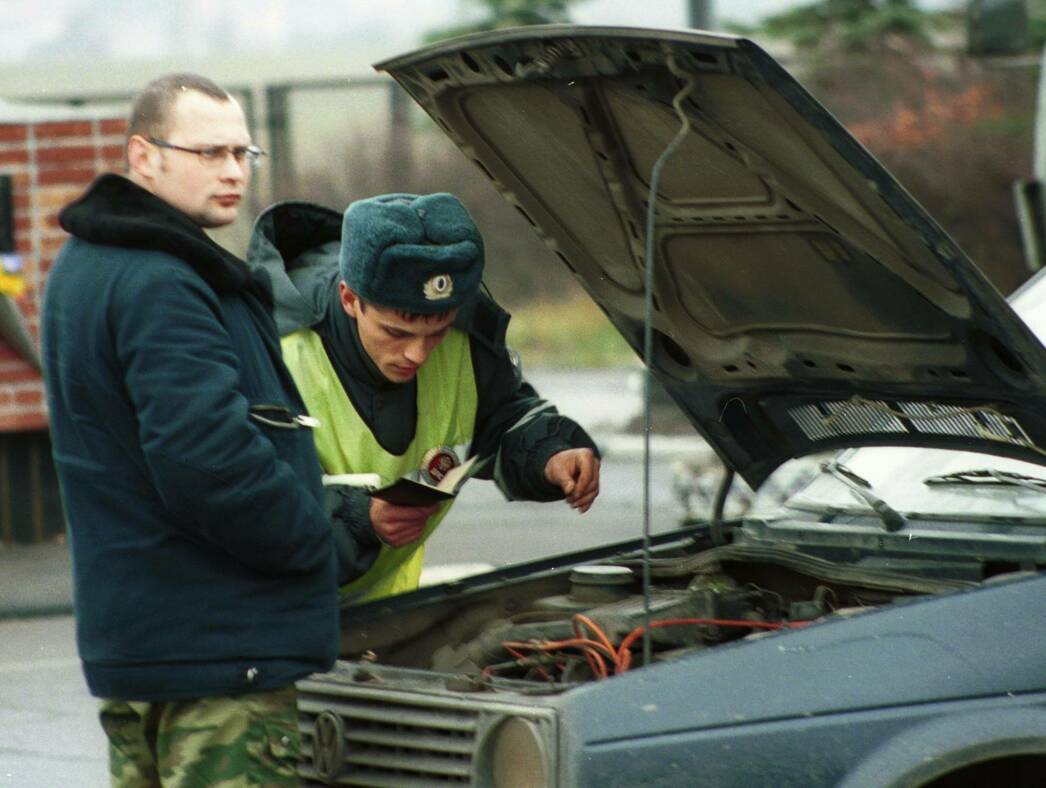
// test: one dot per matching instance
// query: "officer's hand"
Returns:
(398, 525)
(576, 473)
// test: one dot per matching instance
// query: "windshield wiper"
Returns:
(989, 476)
(862, 489)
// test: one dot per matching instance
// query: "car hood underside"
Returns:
(801, 299)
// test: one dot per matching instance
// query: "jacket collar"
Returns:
(292, 238)
(117, 212)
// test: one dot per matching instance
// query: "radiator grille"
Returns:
(389, 743)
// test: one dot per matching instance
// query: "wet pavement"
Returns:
(51, 735)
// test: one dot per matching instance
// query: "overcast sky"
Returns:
(47, 29)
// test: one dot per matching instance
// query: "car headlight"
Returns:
(515, 754)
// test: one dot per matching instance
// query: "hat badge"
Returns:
(438, 287)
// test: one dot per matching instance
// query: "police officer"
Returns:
(402, 358)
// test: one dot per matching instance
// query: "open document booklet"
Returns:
(411, 492)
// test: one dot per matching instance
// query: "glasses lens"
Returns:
(254, 154)
(214, 155)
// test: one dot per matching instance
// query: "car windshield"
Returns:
(898, 475)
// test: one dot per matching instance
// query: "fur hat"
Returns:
(414, 253)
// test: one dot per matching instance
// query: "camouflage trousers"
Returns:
(227, 742)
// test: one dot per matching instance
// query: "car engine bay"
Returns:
(587, 622)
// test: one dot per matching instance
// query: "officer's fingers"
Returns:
(391, 533)
(559, 471)
(395, 539)
(587, 473)
(585, 502)
(384, 512)
(406, 531)
(417, 516)
(583, 496)
(378, 508)
(386, 534)
(398, 525)
(408, 515)
(590, 486)
(586, 476)
(555, 467)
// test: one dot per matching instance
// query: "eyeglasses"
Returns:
(215, 155)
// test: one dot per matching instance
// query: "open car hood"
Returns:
(803, 301)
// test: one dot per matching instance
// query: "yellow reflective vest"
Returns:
(446, 403)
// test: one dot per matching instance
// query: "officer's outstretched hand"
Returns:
(398, 525)
(576, 473)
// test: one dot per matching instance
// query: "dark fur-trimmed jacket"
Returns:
(203, 562)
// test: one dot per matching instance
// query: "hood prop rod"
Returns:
(648, 325)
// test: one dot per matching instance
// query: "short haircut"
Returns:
(151, 113)
(410, 317)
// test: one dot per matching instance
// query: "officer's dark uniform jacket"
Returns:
(203, 561)
(297, 243)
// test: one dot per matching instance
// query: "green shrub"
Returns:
(573, 333)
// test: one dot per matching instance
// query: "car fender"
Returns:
(943, 745)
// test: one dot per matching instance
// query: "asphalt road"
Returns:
(51, 736)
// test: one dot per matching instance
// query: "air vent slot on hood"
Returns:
(824, 420)
(858, 416)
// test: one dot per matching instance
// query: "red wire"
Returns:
(598, 648)
(590, 649)
(581, 621)
(520, 656)
(624, 655)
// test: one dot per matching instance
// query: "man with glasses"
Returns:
(204, 569)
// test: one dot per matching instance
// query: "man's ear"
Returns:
(350, 302)
(142, 158)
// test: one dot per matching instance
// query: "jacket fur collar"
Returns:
(117, 212)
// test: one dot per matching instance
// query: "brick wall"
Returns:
(51, 161)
